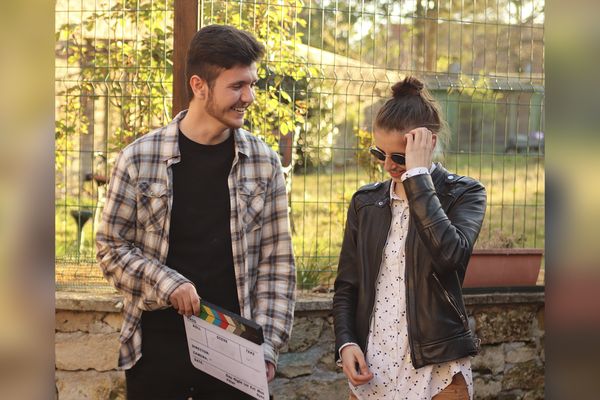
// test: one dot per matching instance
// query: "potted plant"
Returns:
(497, 261)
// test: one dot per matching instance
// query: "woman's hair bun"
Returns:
(409, 86)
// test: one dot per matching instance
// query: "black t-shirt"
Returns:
(200, 234)
(199, 249)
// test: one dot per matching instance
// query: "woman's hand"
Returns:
(420, 143)
(355, 366)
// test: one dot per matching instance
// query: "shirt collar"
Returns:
(171, 148)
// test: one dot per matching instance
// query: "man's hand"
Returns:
(420, 143)
(355, 366)
(270, 371)
(185, 300)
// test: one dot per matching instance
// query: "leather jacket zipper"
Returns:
(452, 303)
(407, 288)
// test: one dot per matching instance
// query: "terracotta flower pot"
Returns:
(503, 267)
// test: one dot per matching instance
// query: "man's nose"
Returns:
(248, 95)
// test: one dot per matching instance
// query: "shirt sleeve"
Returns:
(414, 172)
(276, 278)
(143, 281)
(339, 360)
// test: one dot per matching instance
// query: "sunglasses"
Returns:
(397, 158)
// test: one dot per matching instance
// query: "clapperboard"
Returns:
(228, 347)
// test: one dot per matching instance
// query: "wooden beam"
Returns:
(185, 26)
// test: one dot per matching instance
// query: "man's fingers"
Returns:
(196, 306)
(188, 308)
(270, 369)
(185, 299)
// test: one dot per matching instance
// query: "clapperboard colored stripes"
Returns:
(231, 322)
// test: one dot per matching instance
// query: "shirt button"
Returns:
(380, 203)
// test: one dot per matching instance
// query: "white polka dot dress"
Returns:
(388, 351)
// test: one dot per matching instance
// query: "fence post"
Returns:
(184, 27)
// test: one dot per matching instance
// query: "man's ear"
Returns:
(434, 138)
(199, 87)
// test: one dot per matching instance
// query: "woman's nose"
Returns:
(388, 164)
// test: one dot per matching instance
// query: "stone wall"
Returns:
(510, 366)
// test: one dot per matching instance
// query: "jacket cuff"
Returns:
(418, 183)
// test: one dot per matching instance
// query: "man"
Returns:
(198, 210)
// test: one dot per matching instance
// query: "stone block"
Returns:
(330, 386)
(90, 385)
(519, 352)
(537, 394)
(83, 351)
(527, 375)
(328, 361)
(327, 333)
(75, 321)
(489, 360)
(514, 395)
(306, 333)
(78, 301)
(541, 320)
(292, 365)
(114, 320)
(486, 388)
(500, 324)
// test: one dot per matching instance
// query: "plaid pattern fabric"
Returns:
(133, 237)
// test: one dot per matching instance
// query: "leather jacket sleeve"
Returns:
(345, 297)
(450, 236)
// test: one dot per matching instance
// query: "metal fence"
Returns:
(329, 66)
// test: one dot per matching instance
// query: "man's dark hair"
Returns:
(217, 47)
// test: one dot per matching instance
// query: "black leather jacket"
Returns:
(446, 214)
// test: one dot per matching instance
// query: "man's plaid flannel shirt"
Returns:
(133, 237)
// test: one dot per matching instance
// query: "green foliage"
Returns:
(280, 105)
(499, 239)
(122, 53)
(315, 269)
(286, 102)
(382, 32)
(364, 158)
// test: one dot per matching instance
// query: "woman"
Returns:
(400, 322)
